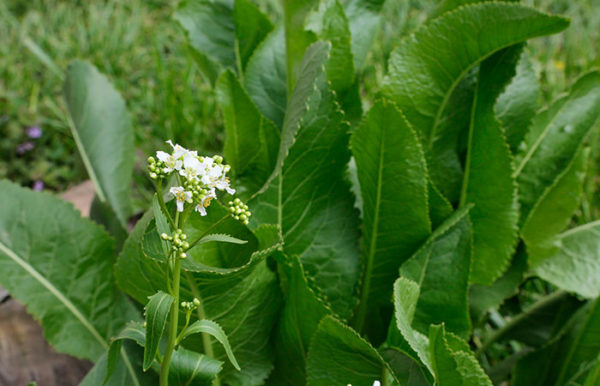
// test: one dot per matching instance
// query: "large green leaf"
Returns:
(553, 211)
(426, 67)
(576, 264)
(308, 196)
(299, 320)
(569, 357)
(251, 27)
(157, 313)
(243, 300)
(441, 267)
(268, 88)
(488, 182)
(60, 266)
(518, 103)
(364, 17)
(393, 182)
(555, 135)
(251, 140)
(339, 356)
(102, 130)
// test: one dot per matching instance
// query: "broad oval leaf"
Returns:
(308, 195)
(60, 266)
(157, 312)
(392, 173)
(251, 27)
(364, 17)
(102, 130)
(193, 369)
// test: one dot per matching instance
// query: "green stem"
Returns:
(206, 343)
(162, 204)
(554, 297)
(172, 337)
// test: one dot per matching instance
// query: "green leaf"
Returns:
(268, 88)
(517, 105)
(483, 298)
(446, 356)
(488, 181)
(111, 361)
(120, 373)
(212, 328)
(297, 39)
(60, 266)
(211, 33)
(439, 207)
(453, 361)
(393, 181)
(441, 267)
(302, 312)
(426, 67)
(102, 131)
(554, 210)
(251, 140)
(157, 313)
(405, 368)
(308, 195)
(193, 369)
(243, 300)
(571, 355)
(103, 214)
(575, 266)
(555, 135)
(339, 356)
(222, 238)
(364, 17)
(329, 23)
(251, 27)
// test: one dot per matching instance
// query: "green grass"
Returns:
(144, 52)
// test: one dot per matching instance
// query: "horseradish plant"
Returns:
(381, 247)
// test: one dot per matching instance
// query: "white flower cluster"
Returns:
(200, 177)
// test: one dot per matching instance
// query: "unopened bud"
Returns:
(196, 302)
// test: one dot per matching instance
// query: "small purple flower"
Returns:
(25, 147)
(38, 185)
(34, 132)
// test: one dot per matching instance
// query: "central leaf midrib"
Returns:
(67, 303)
(373, 245)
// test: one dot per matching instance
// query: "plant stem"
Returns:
(554, 297)
(164, 368)
(162, 204)
(172, 337)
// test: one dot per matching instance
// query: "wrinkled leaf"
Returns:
(193, 369)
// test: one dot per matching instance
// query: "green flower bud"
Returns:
(196, 302)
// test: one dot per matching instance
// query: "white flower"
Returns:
(178, 151)
(171, 162)
(192, 167)
(205, 202)
(223, 184)
(181, 196)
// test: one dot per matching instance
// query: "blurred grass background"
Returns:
(143, 51)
